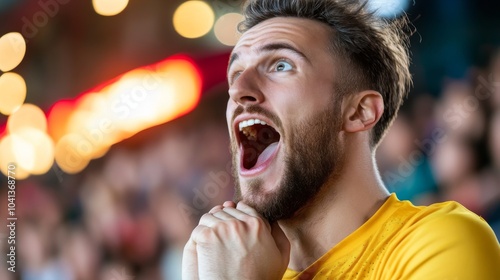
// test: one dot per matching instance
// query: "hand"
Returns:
(235, 242)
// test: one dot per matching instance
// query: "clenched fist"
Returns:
(235, 242)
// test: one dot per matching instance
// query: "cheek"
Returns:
(306, 101)
(231, 106)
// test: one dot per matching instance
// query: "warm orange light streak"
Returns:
(85, 128)
(57, 118)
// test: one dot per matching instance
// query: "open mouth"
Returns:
(258, 141)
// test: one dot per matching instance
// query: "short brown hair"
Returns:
(374, 49)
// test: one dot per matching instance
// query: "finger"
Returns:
(201, 234)
(215, 209)
(229, 204)
(281, 241)
(245, 215)
(209, 220)
(223, 215)
(247, 209)
(236, 213)
(190, 261)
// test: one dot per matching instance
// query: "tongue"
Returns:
(266, 154)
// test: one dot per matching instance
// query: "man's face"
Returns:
(283, 118)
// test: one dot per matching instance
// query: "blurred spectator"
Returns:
(176, 221)
(460, 112)
(80, 253)
(494, 79)
(493, 173)
(404, 165)
(494, 141)
(37, 255)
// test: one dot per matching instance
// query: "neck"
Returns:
(344, 204)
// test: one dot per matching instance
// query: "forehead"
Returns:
(306, 34)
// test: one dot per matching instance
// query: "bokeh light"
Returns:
(33, 150)
(225, 28)
(7, 157)
(139, 99)
(193, 19)
(86, 127)
(57, 118)
(72, 153)
(12, 92)
(93, 101)
(388, 8)
(28, 115)
(12, 51)
(92, 131)
(109, 7)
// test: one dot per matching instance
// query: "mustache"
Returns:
(256, 109)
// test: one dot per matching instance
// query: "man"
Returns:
(313, 86)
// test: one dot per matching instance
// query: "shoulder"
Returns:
(448, 240)
(450, 219)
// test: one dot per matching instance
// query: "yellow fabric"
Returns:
(402, 241)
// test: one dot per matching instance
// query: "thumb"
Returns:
(281, 242)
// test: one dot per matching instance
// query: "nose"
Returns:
(246, 89)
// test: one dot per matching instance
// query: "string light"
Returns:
(12, 92)
(226, 28)
(33, 150)
(28, 115)
(109, 7)
(193, 19)
(12, 51)
(7, 157)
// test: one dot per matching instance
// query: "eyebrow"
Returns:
(269, 48)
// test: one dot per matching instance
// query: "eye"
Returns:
(282, 66)
(234, 76)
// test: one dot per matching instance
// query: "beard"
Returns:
(313, 157)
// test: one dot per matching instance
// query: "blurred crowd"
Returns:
(129, 214)
(448, 147)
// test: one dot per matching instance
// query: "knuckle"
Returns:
(254, 222)
(233, 224)
(205, 235)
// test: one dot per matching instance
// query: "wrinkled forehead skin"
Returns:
(305, 35)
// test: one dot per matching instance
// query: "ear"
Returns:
(363, 110)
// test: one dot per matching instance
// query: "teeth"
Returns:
(250, 122)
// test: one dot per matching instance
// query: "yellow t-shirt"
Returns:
(401, 241)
